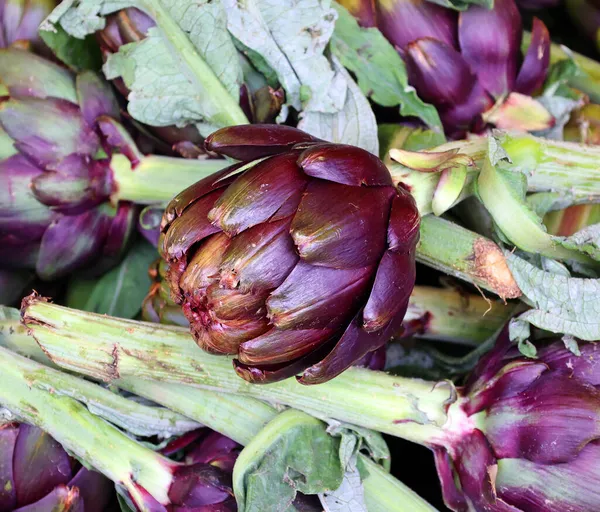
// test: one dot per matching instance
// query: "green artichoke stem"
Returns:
(456, 316)
(109, 349)
(238, 417)
(565, 167)
(464, 254)
(139, 419)
(157, 179)
(90, 438)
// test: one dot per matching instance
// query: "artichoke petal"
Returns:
(342, 226)
(490, 42)
(249, 142)
(344, 164)
(535, 65)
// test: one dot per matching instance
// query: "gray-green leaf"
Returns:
(78, 54)
(290, 36)
(561, 304)
(380, 71)
(293, 453)
(186, 71)
(348, 497)
(355, 124)
(119, 292)
(586, 240)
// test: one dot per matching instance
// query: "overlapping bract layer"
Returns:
(37, 474)
(55, 214)
(463, 63)
(20, 19)
(301, 260)
(531, 440)
(202, 477)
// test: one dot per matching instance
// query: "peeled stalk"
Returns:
(110, 349)
(237, 417)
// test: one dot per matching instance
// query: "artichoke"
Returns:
(37, 474)
(55, 214)
(20, 19)
(66, 182)
(467, 63)
(523, 435)
(299, 259)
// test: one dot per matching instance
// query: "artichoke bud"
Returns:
(464, 63)
(36, 473)
(55, 205)
(299, 259)
(523, 435)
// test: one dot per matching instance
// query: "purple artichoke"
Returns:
(159, 308)
(20, 19)
(467, 63)
(523, 435)
(300, 259)
(37, 474)
(55, 210)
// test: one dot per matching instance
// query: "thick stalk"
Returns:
(94, 441)
(567, 167)
(456, 316)
(383, 494)
(139, 419)
(110, 349)
(448, 247)
(238, 417)
(588, 82)
(157, 179)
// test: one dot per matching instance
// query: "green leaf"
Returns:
(78, 54)
(119, 292)
(561, 304)
(380, 71)
(293, 453)
(355, 124)
(186, 71)
(586, 240)
(290, 36)
(462, 5)
(571, 344)
(349, 496)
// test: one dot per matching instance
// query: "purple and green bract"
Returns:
(523, 436)
(299, 259)
(461, 62)
(37, 475)
(55, 210)
(20, 19)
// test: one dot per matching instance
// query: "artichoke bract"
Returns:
(55, 214)
(467, 64)
(20, 19)
(37, 474)
(523, 436)
(299, 259)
